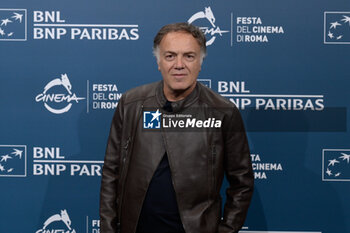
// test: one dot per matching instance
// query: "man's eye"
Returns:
(169, 57)
(190, 57)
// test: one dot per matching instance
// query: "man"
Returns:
(168, 180)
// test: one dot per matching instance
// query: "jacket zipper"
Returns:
(125, 154)
(213, 169)
(126, 147)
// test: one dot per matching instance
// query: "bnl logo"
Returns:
(151, 119)
(337, 27)
(206, 82)
(13, 161)
(336, 164)
(13, 24)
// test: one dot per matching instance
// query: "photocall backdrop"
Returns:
(65, 64)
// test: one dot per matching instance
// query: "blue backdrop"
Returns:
(64, 66)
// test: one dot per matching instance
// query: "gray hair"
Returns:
(180, 27)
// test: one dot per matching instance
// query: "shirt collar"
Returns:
(177, 105)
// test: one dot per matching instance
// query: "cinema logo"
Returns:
(212, 30)
(49, 161)
(263, 169)
(251, 29)
(50, 25)
(238, 93)
(93, 225)
(243, 29)
(103, 95)
(54, 101)
(57, 223)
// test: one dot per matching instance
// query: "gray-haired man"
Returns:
(168, 181)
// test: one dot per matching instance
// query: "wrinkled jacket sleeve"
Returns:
(238, 170)
(110, 175)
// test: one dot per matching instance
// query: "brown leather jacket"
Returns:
(198, 160)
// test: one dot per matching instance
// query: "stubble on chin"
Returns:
(175, 92)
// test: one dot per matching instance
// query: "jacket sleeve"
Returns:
(239, 173)
(111, 174)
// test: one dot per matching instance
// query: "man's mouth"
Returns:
(179, 75)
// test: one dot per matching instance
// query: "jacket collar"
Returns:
(181, 104)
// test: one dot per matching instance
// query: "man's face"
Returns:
(179, 62)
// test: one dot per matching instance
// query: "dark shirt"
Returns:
(159, 212)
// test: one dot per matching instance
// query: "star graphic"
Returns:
(332, 162)
(2, 168)
(10, 34)
(17, 16)
(330, 35)
(17, 153)
(2, 32)
(5, 158)
(156, 115)
(346, 19)
(5, 22)
(345, 157)
(9, 170)
(334, 25)
(338, 174)
(329, 172)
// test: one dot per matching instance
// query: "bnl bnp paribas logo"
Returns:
(337, 27)
(151, 119)
(13, 161)
(207, 19)
(13, 25)
(57, 95)
(336, 164)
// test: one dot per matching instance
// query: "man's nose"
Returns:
(179, 63)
